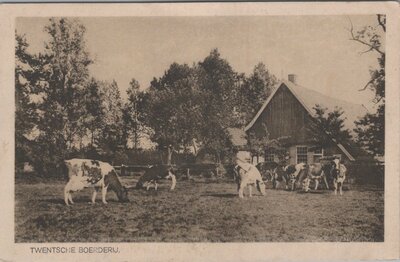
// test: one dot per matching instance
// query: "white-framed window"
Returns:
(318, 153)
(301, 154)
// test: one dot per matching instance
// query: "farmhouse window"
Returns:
(301, 154)
(269, 156)
(318, 153)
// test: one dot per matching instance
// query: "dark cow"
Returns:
(154, 174)
(83, 173)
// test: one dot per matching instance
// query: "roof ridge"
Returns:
(320, 93)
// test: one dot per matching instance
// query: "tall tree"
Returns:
(172, 109)
(95, 111)
(254, 91)
(111, 138)
(328, 125)
(218, 84)
(25, 108)
(64, 75)
(370, 129)
(133, 114)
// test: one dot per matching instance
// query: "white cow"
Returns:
(84, 173)
(247, 174)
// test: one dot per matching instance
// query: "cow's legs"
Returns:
(94, 195)
(67, 193)
(70, 197)
(306, 184)
(66, 197)
(103, 194)
(173, 178)
(335, 184)
(276, 184)
(326, 183)
(340, 188)
(286, 183)
(155, 185)
(316, 184)
(250, 189)
(241, 188)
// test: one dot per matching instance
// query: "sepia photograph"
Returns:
(200, 132)
(204, 129)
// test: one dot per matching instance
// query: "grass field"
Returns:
(201, 211)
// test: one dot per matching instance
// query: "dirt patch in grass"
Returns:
(197, 211)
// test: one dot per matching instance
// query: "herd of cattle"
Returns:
(84, 173)
(293, 176)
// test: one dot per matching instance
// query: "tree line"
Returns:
(62, 110)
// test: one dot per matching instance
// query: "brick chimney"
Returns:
(292, 78)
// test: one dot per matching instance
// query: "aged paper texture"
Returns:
(200, 132)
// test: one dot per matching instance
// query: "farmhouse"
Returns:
(288, 113)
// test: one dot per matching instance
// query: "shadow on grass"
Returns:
(224, 195)
(314, 192)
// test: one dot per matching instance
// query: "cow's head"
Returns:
(123, 195)
(335, 172)
(261, 187)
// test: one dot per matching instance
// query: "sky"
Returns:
(315, 48)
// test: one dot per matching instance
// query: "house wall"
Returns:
(328, 151)
(285, 116)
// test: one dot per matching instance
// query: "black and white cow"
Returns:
(247, 175)
(154, 174)
(294, 174)
(332, 171)
(316, 173)
(84, 173)
(339, 175)
(268, 171)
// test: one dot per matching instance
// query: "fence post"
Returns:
(122, 170)
(188, 173)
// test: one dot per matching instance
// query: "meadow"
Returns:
(198, 210)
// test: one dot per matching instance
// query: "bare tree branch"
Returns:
(369, 82)
(366, 51)
(353, 38)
